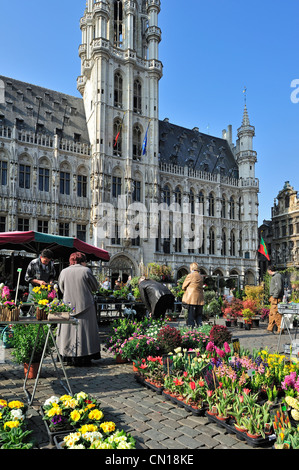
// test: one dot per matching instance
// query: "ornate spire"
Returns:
(245, 121)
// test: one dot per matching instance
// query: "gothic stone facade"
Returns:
(66, 161)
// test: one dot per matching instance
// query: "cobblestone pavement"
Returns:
(154, 422)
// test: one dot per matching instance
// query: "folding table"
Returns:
(41, 325)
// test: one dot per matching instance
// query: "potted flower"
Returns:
(42, 296)
(247, 314)
(139, 346)
(23, 341)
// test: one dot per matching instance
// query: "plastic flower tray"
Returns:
(61, 432)
(258, 442)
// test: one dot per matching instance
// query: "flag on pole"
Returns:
(263, 249)
(118, 134)
(145, 140)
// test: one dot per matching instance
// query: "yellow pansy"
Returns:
(3, 403)
(11, 424)
(65, 397)
(96, 415)
(108, 426)
(54, 411)
(88, 428)
(15, 404)
(75, 415)
(43, 302)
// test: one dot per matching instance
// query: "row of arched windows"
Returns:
(229, 246)
(43, 177)
(230, 207)
(137, 139)
(118, 93)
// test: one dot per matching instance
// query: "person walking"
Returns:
(156, 297)
(40, 271)
(193, 295)
(79, 344)
(276, 295)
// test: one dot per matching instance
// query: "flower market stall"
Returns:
(205, 372)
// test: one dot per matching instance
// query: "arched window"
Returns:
(118, 90)
(44, 175)
(166, 195)
(3, 172)
(117, 145)
(137, 102)
(201, 200)
(82, 182)
(240, 208)
(223, 207)
(65, 179)
(177, 196)
(192, 201)
(241, 244)
(231, 208)
(211, 205)
(201, 249)
(136, 142)
(232, 244)
(212, 241)
(223, 239)
(25, 173)
(118, 23)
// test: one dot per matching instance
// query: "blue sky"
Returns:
(210, 50)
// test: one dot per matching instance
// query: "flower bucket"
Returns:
(32, 374)
(7, 336)
(40, 314)
(120, 360)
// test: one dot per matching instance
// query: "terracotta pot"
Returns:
(120, 360)
(253, 436)
(240, 429)
(222, 418)
(32, 371)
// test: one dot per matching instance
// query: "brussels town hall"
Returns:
(105, 169)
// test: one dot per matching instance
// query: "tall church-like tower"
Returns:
(119, 81)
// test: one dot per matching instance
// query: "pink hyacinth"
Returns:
(226, 348)
(5, 292)
(210, 346)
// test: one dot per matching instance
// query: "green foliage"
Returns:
(220, 335)
(168, 339)
(23, 343)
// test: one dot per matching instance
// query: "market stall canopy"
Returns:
(62, 247)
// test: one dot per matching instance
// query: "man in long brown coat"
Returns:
(193, 295)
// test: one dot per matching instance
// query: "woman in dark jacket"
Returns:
(193, 295)
(156, 297)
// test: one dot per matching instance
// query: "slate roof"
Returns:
(37, 108)
(190, 147)
(50, 110)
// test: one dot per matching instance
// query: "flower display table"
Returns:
(48, 334)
